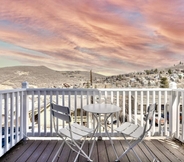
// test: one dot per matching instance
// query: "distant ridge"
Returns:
(41, 76)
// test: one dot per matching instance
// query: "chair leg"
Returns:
(92, 146)
(81, 151)
(127, 150)
(131, 146)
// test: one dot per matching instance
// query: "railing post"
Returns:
(172, 111)
(25, 85)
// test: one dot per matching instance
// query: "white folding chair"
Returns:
(137, 133)
(74, 135)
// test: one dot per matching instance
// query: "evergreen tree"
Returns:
(164, 83)
(169, 71)
(149, 83)
(156, 71)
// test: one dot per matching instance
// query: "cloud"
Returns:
(112, 36)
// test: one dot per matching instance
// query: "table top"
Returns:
(101, 108)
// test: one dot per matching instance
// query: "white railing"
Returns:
(12, 119)
(26, 112)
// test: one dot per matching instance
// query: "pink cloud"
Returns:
(128, 35)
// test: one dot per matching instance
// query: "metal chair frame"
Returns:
(73, 134)
(137, 133)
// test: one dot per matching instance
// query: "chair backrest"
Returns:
(149, 117)
(60, 112)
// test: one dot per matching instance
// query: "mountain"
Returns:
(41, 76)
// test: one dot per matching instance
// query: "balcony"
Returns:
(25, 114)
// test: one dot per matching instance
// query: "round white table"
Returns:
(101, 108)
(97, 110)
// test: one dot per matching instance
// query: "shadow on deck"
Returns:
(44, 150)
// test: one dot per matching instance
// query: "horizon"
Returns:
(110, 37)
(159, 69)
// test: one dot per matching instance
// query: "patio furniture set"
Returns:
(75, 135)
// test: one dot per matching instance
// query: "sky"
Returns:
(109, 37)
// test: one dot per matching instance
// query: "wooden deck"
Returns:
(44, 150)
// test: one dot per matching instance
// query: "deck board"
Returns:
(119, 148)
(145, 152)
(37, 153)
(51, 149)
(44, 150)
(29, 151)
(174, 149)
(17, 151)
(65, 154)
(102, 154)
(164, 151)
(94, 155)
(110, 151)
(130, 154)
(157, 151)
(45, 154)
(141, 153)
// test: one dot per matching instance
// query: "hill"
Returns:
(41, 76)
(149, 78)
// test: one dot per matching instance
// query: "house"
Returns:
(44, 111)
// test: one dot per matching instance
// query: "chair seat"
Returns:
(82, 128)
(78, 131)
(130, 129)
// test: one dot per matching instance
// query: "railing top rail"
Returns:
(135, 89)
(88, 89)
(12, 90)
(61, 89)
(101, 89)
(179, 89)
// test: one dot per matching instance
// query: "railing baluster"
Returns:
(21, 115)
(153, 101)
(177, 116)
(141, 108)
(182, 120)
(33, 116)
(160, 125)
(81, 110)
(117, 113)
(17, 116)
(57, 102)
(124, 113)
(12, 120)
(39, 129)
(24, 113)
(75, 108)
(165, 113)
(147, 104)
(6, 121)
(135, 107)
(51, 129)
(129, 107)
(93, 96)
(88, 116)
(1, 119)
(45, 113)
